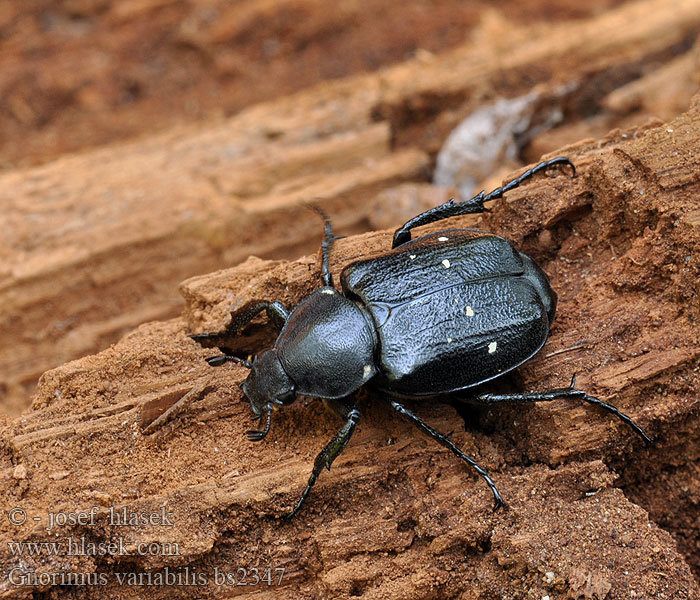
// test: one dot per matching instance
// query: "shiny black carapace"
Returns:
(445, 312)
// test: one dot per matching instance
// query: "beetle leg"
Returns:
(326, 246)
(276, 312)
(217, 361)
(443, 211)
(256, 435)
(444, 440)
(331, 451)
(559, 160)
(567, 392)
(474, 205)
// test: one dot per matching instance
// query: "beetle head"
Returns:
(267, 384)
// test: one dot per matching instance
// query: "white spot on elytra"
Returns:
(411, 256)
(470, 311)
(367, 371)
(449, 340)
(331, 292)
(446, 263)
(492, 347)
(442, 238)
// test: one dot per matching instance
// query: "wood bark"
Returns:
(95, 244)
(398, 516)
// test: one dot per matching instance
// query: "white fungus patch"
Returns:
(442, 238)
(446, 263)
(492, 347)
(411, 256)
(470, 311)
(331, 292)
(487, 137)
(367, 371)
(449, 340)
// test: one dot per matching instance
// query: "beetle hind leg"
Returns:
(567, 392)
(333, 448)
(328, 238)
(475, 204)
(544, 165)
(257, 435)
(445, 441)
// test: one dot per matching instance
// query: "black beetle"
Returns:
(445, 312)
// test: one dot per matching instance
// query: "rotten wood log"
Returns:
(398, 516)
(95, 244)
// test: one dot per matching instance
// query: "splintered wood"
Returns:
(397, 515)
(96, 244)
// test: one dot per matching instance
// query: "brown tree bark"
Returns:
(398, 516)
(94, 245)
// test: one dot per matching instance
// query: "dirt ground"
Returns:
(593, 513)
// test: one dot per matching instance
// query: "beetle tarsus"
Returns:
(209, 337)
(544, 165)
(500, 504)
(256, 435)
(326, 246)
(329, 454)
(444, 440)
(619, 414)
(217, 361)
(567, 392)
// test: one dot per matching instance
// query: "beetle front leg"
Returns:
(257, 435)
(568, 392)
(444, 440)
(276, 312)
(332, 449)
(474, 205)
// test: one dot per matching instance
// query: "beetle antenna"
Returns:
(217, 361)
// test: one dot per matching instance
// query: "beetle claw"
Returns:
(216, 361)
(255, 435)
(199, 337)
